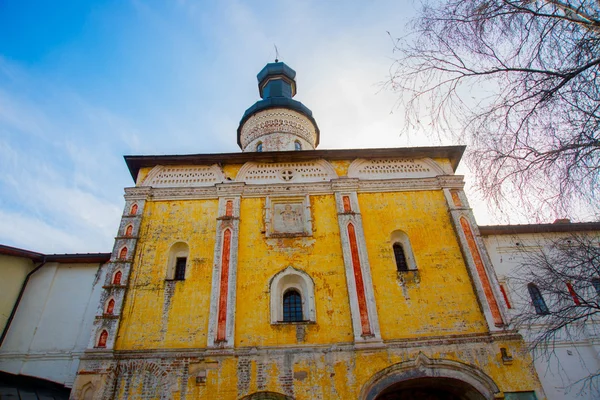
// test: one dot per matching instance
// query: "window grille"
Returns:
(292, 307)
(401, 264)
(180, 268)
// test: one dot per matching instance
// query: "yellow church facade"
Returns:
(285, 272)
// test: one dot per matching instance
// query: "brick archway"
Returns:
(429, 378)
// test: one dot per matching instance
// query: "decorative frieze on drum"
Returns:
(295, 172)
(398, 168)
(184, 176)
(279, 120)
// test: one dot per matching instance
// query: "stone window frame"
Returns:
(106, 305)
(292, 279)
(400, 237)
(114, 275)
(99, 336)
(179, 249)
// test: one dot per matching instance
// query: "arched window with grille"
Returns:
(537, 300)
(403, 254)
(292, 297)
(292, 306)
(177, 261)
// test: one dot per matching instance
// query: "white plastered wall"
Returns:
(51, 328)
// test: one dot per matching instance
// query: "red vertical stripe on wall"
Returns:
(485, 281)
(225, 256)
(358, 279)
(505, 296)
(573, 294)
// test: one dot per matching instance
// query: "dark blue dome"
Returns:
(277, 86)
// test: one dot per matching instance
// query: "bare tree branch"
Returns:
(517, 80)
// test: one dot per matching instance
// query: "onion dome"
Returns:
(277, 122)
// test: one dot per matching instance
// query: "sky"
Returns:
(86, 82)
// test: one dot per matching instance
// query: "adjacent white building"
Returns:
(562, 372)
(49, 324)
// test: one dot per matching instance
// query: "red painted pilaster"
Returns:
(358, 278)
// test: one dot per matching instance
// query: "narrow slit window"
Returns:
(297, 145)
(180, 268)
(259, 147)
(292, 307)
(538, 301)
(401, 264)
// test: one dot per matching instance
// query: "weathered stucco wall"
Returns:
(162, 344)
(51, 328)
(170, 314)
(441, 300)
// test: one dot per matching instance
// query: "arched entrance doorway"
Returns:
(430, 389)
(430, 379)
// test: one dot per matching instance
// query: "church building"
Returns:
(286, 272)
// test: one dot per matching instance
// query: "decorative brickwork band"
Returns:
(360, 286)
(222, 323)
(483, 277)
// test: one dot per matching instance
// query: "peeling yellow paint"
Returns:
(341, 166)
(161, 315)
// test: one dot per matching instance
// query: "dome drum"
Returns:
(278, 129)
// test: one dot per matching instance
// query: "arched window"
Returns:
(110, 307)
(292, 297)
(177, 263)
(259, 147)
(129, 230)
(123, 253)
(133, 210)
(403, 254)
(102, 338)
(401, 264)
(117, 278)
(297, 145)
(292, 306)
(596, 285)
(538, 301)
